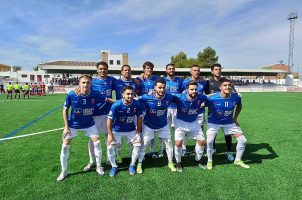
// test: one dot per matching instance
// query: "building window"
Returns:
(24, 75)
(118, 62)
(46, 76)
(110, 62)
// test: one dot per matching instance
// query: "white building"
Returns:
(25, 76)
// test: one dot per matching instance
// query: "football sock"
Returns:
(199, 151)
(111, 155)
(240, 147)
(91, 151)
(178, 153)
(152, 144)
(210, 141)
(135, 154)
(142, 151)
(98, 153)
(64, 157)
(169, 149)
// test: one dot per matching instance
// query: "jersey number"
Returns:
(226, 104)
(84, 101)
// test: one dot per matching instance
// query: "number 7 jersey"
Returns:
(221, 109)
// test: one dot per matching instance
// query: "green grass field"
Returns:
(272, 123)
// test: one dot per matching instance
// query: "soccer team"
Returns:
(150, 105)
(27, 89)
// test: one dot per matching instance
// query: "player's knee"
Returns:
(242, 139)
(201, 142)
(178, 143)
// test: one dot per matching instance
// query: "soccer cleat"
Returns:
(241, 164)
(171, 166)
(230, 156)
(179, 167)
(139, 168)
(210, 165)
(88, 167)
(100, 171)
(184, 152)
(113, 172)
(119, 159)
(62, 176)
(131, 170)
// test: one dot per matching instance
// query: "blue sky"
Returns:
(244, 33)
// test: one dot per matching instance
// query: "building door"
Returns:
(39, 78)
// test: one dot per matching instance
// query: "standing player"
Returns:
(25, 90)
(173, 86)
(9, 89)
(155, 119)
(195, 76)
(147, 83)
(2, 88)
(17, 89)
(104, 84)
(121, 122)
(213, 87)
(80, 119)
(189, 105)
(221, 115)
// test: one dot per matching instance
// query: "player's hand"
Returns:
(136, 139)
(141, 76)
(135, 81)
(151, 91)
(236, 122)
(110, 139)
(66, 132)
(77, 90)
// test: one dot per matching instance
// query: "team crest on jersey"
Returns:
(134, 109)
(92, 101)
(153, 111)
(123, 119)
(159, 103)
(167, 103)
(234, 104)
(108, 92)
(219, 112)
(77, 111)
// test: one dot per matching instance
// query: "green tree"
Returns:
(181, 56)
(207, 57)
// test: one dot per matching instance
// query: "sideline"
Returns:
(31, 134)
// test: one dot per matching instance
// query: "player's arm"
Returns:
(66, 130)
(110, 133)
(237, 112)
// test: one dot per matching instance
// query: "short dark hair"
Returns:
(160, 80)
(148, 63)
(222, 80)
(125, 66)
(215, 65)
(127, 87)
(102, 63)
(191, 83)
(170, 64)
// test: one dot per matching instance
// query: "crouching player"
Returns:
(189, 105)
(221, 115)
(120, 123)
(82, 106)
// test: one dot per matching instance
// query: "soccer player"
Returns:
(189, 105)
(9, 89)
(222, 106)
(213, 86)
(104, 84)
(25, 90)
(155, 119)
(173, 86)
(17, 89)
(121, 122)
(195, 76)
(2, 88)
(81, 119)
(147, 83)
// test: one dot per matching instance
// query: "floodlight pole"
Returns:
(291, 17)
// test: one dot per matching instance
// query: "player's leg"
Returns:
(147, 136)
(111, 154)
(64, 156)
(179, 134)
(211, 135)
(164, 133)
(135, 141)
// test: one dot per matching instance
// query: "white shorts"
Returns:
(149, 133)
(201, 119)
(228, 129)
(193, 128)
(101, 123)
(89, 132)
(171, 115)
(131, 137)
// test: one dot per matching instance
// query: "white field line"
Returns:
(31, 134)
